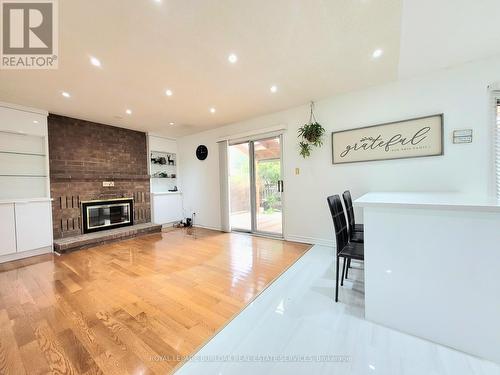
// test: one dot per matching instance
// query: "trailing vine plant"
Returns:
(310, 135)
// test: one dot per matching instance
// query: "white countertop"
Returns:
(450, 200)
(24, 200)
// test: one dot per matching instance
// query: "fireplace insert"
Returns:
(107, 214)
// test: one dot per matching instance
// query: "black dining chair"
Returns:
(345, 249)
(353, 227)
(356, 231)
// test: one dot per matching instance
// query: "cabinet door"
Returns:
(7, 229)
(33, 225)
(167, 208)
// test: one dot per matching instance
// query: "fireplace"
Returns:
(107, 214)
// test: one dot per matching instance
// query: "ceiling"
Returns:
(437, 34)
(309, 49)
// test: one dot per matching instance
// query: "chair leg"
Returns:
(337, 281)
(344, 266)
(347, 268)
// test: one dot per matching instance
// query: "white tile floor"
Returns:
(296, 316)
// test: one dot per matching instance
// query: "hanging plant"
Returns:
(311, 134)
(305, 149)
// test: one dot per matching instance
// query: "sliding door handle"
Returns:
(280, 186)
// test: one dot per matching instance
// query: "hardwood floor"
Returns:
(132, 307)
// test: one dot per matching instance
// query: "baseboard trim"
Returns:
(208, 227)
(310, 240)
(293, 238)
(25, 254)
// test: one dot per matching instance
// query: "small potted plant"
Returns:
(311, 134)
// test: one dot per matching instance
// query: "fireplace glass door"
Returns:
(101, 215)
(110, 214)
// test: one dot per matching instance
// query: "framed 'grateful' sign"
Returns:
(412, 138)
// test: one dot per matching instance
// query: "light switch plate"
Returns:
(297, 171)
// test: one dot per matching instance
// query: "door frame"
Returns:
(253, 193)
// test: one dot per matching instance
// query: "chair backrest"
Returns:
(349, 210)
(339, 221)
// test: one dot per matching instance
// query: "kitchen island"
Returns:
(432, 267)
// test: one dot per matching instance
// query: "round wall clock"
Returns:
(201, 152)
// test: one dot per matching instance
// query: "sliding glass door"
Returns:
(239, 187)
(256, 186)
(268, 184)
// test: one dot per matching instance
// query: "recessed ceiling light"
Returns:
(65, 94)
(212, 110)
(169, 92)
(232, 58)
(128, 111)
(377, 53)
(171, 123)
(95, 61)
(35, 121)
(273, 88)
(158, 1)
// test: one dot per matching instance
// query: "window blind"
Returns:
(224, 186)
(497, 141)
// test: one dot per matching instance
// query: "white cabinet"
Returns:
(33, 225)
(167, 207)
(7, 229)
(25, 228)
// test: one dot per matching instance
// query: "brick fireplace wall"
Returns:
(82, 156)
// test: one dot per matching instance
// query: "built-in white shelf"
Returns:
(18, 143)
(24, 163)
(163, 170)
(25, 205)
(23, 175)
(22, 153)
(166, 205)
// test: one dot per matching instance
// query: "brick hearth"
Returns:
(82, 241)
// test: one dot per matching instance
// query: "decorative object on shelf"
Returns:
(174, 189)
(411, 138)
(311, 134)
(162, 160)
(162, 175)
(201, 152)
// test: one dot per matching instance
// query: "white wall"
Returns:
(460, 93)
